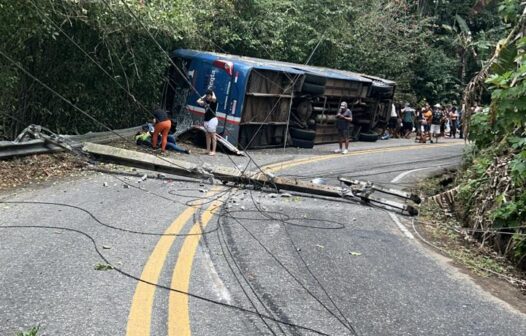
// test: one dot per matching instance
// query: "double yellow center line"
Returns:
(140, 316)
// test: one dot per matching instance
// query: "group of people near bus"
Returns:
(162, 130)
(428, 123)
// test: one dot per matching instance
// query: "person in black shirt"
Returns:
(209, 102)
(162, 126)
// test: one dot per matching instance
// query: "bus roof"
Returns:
(263, 64)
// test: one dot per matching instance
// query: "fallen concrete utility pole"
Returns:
(355, 191)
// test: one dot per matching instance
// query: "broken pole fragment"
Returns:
(225, 174)
(357, 191)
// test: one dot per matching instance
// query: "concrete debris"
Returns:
(144, 177)
(319, 181)
(161, 176)
(273, 195)
(125, 186)
(106, 247)
(242, 208)
(286, 195)
(105, 184)
(202, 190)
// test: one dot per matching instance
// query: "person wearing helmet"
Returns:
(343, 121)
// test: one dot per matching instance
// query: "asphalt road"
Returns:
(253, 263)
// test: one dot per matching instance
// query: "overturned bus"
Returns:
(264, 103)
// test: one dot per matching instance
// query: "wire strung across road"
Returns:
(95, 120)
(227, 214)
(139, 21)
(88, 115)
(286, 220)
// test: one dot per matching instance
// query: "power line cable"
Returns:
(308, 291)
(43, 17)
(194, 296)
(224, 246)
(96, 121)
(295, 247)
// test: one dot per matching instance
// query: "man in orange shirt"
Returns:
(428, 117)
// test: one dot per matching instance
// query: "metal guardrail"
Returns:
(9, 149)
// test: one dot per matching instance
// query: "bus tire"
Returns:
(302, 134)
(302, 143)
(369, 137)
(313, 89)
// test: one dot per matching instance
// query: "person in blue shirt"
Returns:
(144, 138)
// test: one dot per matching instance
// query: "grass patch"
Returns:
(31, 332)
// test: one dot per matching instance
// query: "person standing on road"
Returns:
(162, 126)
(209, 101)
(408, 116)
(343, 121)
(453, 120)
(436, 122)
(460, 123)
(394, 122)
(419, 116)
(428, 116)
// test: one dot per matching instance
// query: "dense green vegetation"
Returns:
(492, 188)
(431, 48)
(109, 58)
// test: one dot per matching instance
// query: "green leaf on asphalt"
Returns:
(103, 267)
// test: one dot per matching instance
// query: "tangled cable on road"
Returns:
(131, 276)
(231, 214)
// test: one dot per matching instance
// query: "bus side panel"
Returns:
(237, 100)
(229, 90)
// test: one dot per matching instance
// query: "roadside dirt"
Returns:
(443, 233)
(38, 169)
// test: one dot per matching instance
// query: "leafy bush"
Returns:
(395, 39)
